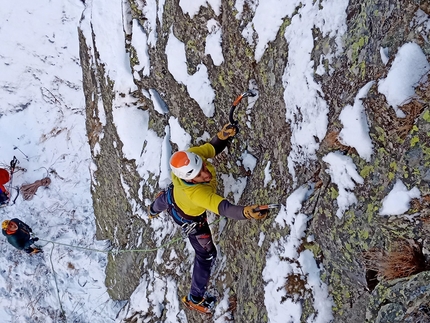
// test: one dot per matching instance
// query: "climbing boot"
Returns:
(204, 305)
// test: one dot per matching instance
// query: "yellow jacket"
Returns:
(194, 199)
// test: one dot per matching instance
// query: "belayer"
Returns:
(19, 235)
(192, 192)
(4, 194)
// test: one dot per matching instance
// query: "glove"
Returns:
(250, 213)
(35, 239)
(227, 131)
(36, 250)
(151, 214)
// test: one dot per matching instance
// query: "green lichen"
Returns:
(366, 171)
(249, 52)
(191, 45)
(356, 40)
(426, 116)
(414, 129)
(363, 234)
(370, 210)
(284, 26)
(333, 193)
(314, 247)
(221, 80)
(382, 151)
(381, 133)
(426, 152)
(414, 140)
(348, 247)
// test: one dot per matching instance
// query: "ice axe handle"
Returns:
(266, 207)
(236, 103)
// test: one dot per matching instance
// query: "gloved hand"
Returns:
(227, 131)
(151, 213)
(250, 213)
(35, 239)
(36, 250)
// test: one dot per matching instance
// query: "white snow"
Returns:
(409, 66)
(43, 116)
(198, 84)
(283, 257)
(384, 55)
(355, 132)
(268, 18)
(150, 14)
(132, 127)
(139, 42)
(248, 161)
(398, 200)
(234, 186)
(343, 173)
(193, 7)
(179, 135)
(303, 96)
(213, 42)
(159, 105)
(105, 21)
(267, 175)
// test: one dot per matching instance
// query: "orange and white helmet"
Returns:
(185, 164)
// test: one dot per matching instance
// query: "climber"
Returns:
(4, 194)
(19, 235)
(192, 192)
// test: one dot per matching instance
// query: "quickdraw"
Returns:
(188, 228)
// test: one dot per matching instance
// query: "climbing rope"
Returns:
(29, 190)
(102, 251)
(56, 283)
(111, 251)
(123, 250)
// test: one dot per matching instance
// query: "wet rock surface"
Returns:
(401, 151)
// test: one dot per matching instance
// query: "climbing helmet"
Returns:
(185, 164)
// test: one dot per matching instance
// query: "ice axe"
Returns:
(236, 102)
(266, 207)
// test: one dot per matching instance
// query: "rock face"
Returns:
(402, 300)
(401, 150)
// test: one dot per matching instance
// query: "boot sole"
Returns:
(196, 307)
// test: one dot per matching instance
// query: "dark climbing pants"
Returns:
(201, 240)
(205, 256)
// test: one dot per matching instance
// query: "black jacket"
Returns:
(21, 238)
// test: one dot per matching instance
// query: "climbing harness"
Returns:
(188, 223)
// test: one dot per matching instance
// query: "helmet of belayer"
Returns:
(4, 176)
